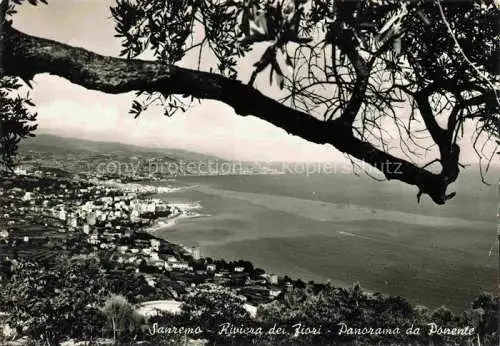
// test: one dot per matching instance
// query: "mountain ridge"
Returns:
(60, 143)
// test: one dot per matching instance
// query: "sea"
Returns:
(347, 229)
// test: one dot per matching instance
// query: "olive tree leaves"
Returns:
(17, 121)
(163, 29)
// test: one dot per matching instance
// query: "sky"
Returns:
(211, 127)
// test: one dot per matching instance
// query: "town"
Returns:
(81, 263)
(45, 214)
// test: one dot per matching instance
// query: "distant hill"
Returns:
(51, 143)
(65, 145)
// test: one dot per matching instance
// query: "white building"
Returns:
(155, 244)
(91, 219)
(27, 196)
(211, 267)
(62, 215)
(86, 229)
(273, 279)
(134, 215)
(196, 253)
(179, 265)
(154, 256)
(72, 222)
(171, 259)
(93, 239)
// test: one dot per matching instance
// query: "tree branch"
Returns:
(448, 150)
(27, 56)
(346, 41)
(487, 97)
(438, 134)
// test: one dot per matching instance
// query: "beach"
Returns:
(184, 211)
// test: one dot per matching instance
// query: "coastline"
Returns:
(153, 255)
(241, 222)
(186, 211)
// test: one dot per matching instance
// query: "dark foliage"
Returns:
(16, 121)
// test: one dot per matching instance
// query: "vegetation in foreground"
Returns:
(75, 300)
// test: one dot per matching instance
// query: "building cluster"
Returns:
(40, 216)
(125, 166)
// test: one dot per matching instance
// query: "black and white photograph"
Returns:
(249, 172)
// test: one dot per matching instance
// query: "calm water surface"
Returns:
(348, 229)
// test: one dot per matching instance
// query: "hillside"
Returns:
(117, 159)
(51, 143)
